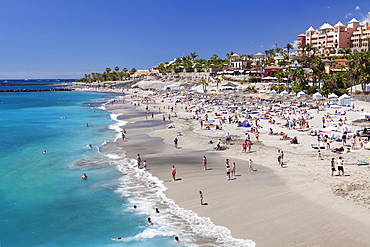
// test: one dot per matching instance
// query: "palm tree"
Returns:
(204, 83)
(278, 50)
(218, 80)
(132, 72)
(229, 54)
(107, 69)
(288, 47)
(317, 66)
(193, 55)
(116, 69)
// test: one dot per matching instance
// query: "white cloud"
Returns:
(261, 46)
(348, 15)
(365, 18)
(357, 7)
(295, 44)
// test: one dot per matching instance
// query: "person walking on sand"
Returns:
(218, 145)
(205, 162)
(249, 145)
(228, 171)
(227, 162)
(244, 146)
(332, 166)
(175, 142)
(340, 163)
(328, 141)
(173, 172)
(250, 165)
(201, 197)
(233, 169)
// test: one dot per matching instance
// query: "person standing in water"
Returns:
(138, 158)
(150, 223)
(84, 177)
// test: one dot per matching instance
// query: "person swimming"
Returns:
(84, 177)
(177, 240)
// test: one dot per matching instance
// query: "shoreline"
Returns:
(277, 207)
(152, 148)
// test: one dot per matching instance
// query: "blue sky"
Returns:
(68, 38)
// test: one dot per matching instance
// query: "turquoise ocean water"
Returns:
(43, 201)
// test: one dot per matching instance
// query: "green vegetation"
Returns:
(108, 75)
(310, 77)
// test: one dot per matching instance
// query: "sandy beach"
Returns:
(299, 204)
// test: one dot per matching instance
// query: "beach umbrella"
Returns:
(301, 94)
(284, 93)
(333, 96)
(273, 91)
(317, 95)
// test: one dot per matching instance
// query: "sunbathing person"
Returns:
(285, 137)
(294, 140)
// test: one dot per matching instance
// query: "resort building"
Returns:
(238, 62)
(360, 38)
(332, 39)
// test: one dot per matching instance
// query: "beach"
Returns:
(298, 205)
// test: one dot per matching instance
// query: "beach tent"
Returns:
(246, 124)
(173, 87)
(333, 96)
(273, 91)
(301, 94)
(284, 93)
(317, 95)
(344, 100)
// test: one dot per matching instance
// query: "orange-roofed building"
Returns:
(271, 70)
(338, 65)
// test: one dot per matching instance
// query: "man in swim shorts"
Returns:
(340, 163)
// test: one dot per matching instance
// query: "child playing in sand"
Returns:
(319, 155)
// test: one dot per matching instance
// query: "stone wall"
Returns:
(361, 97)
